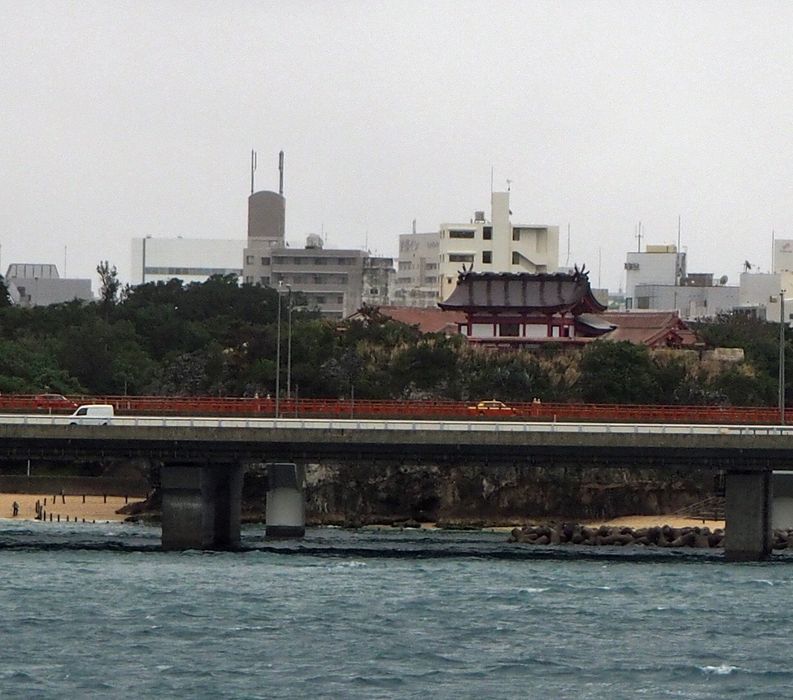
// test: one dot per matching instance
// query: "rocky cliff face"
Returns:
(475, 495)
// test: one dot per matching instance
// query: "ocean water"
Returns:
(98, 611)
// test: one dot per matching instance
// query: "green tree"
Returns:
(618, 373)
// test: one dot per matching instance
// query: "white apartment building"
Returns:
(658, 265)
(417, 273)
(188, 259)
(429, 263)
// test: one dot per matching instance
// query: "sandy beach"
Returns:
(638, 521)
(94, 508)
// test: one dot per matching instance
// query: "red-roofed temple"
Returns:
(525, 309)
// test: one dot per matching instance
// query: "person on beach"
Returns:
(15, 508)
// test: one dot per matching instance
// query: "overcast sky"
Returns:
(125, 119)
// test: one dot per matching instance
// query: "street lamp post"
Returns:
(289, 343)
(782, 357)
(278, 352)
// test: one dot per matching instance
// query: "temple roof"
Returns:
(550, 293)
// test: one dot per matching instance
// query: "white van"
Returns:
(93, 414)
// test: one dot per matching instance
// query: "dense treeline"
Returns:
(218, 338)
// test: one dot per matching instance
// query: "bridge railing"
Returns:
(395, 409)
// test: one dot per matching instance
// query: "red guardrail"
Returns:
(345, 408)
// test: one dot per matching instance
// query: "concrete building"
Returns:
(334, 281)
(690, 301)
(417, 278)
(41, 285)
(658, 265)
(760, 292)
(782, 255)
(495, 246)
(188, 259)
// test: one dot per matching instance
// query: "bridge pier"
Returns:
(201, 506)
(748, 516)
(285, 510)
(782, 512)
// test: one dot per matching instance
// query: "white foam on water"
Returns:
(720, 670)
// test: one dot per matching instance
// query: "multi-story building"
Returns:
(760, 293)
(497, 245)
(188, 259)
(429, 263)
(657, 265)
(657, 280)
(40, 285)
(417, 277)
(334, 281)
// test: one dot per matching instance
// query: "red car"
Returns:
(53, 402)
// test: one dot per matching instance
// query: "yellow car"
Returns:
(492, 407)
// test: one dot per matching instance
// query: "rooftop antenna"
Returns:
(679, 228)
(639, 237)
(600, 260)
(65, 248)
(253, 167)
(509, 185)
(567, 261)
(414, 227)
(281, 173)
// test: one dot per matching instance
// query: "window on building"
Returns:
(249, 260)
(461, 257)
(642, 302)
(487, 233)
(340, 299)
(515, 234)
(516, 258)
(509, 330)
(320, 299)
(431, 279)
(374, 291)
(265, 280)
(317, 279)
(249, 279)
(265, 261)
(461, 233)
(405, 265)
(432, 266)
(487, 256)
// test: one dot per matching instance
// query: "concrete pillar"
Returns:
(748, 516)
(782, 510)
(285, 513)
(201, 506)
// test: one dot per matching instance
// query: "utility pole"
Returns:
(782, 357)
(289, 342)
(278, 352)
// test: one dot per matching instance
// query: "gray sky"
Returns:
(124, 119)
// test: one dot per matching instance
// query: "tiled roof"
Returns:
(546, 292)
(649, 328)
(427, 320)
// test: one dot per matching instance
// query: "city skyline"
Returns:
(129, 120)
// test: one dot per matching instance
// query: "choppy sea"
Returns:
(99, 611)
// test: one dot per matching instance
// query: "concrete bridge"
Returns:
(203, 460)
